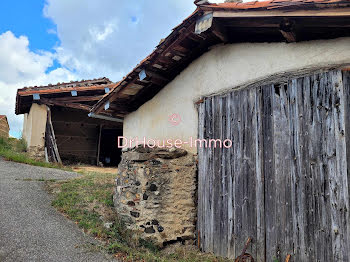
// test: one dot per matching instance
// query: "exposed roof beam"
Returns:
(219, 31)
(287, 29)
(108, 118)
(289, 36)
(77, 99)
(70, 105)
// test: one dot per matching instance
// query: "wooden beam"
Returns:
(77, 99)
(289, 36)
(99, 146)
(287, 29)
(63, 104)
(274, 22)
(177, 40)
(53, 137)
(148, 75)
(219, 31)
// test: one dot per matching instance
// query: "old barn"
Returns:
(273, 77)
(57, 124)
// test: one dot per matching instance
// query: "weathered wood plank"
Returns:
(282, 229)
(285, 181)
(268, 156)
(260, 179)
(346, 86)
(229, 174)
(340, 178)
(298, 133)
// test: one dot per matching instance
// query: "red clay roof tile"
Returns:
(254, 5)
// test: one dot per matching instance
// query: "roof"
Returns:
(88, 92)
(212, 24)
(276, 4)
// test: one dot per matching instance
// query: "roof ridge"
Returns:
(90, 82)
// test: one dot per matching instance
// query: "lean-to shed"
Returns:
(57, 123)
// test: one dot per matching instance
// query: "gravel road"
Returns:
(32, 230)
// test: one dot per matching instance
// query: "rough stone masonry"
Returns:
(155, 193)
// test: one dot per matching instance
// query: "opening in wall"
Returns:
(109, 153)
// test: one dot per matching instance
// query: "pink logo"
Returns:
(175, 119)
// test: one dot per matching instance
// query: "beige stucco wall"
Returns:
(34, 126)
(222, 68)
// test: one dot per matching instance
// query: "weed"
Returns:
(15, 150)
(88, 201)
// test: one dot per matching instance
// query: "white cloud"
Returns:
(97, 38)
(101, 34)
(16, 60)
(20, 67)
(109, 37)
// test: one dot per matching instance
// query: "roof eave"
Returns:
(332, 10)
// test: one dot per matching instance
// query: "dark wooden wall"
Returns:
(77, 135)
(285, 181)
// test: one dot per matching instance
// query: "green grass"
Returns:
(88, 201)
(15, 150)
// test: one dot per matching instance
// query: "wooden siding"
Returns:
(284, 182)
(76, 135)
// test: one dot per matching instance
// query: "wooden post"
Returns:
(55, 148)
(99, 146)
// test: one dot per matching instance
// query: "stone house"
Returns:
(4, 126)
(57, 125)
(271, 78)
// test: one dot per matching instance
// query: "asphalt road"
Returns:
(32, 230)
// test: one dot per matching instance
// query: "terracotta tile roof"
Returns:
(63, 86)
(275, 4)
(94, 87)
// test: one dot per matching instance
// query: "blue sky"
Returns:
(50, 41)
(24, 17)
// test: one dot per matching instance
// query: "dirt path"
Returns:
(32, 230)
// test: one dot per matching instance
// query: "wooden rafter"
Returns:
(77, 99)
(51, 102)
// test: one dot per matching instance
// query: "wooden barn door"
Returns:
(284, 182)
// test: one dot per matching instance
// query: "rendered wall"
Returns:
(222, 68)
(34, 126)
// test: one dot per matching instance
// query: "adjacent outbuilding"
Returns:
(57, 125)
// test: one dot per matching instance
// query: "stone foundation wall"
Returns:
(155, 193)
(37, 152)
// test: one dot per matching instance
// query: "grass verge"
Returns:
(14, 150)
(88, 201)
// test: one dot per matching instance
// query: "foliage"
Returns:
(88, 201)
(13, 149)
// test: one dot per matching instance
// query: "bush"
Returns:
(4, 144)
(21, 145)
